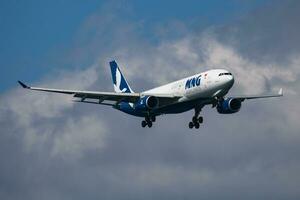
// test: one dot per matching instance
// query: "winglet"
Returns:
(23, 85)
(280, 92)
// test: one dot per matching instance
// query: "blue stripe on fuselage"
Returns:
(170, 109)
(129, 109)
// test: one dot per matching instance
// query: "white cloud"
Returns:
(250, 76)
(176, 59)
(231, 151)
(78, 135)
(37, 115)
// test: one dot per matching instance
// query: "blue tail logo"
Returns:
(119, 81)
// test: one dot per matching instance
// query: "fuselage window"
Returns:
(227, 73)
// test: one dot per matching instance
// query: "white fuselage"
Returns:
(212, 83)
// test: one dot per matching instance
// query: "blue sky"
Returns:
(36, 35)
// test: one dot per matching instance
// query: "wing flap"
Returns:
(109, 96)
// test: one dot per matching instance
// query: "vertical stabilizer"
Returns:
(119, 81)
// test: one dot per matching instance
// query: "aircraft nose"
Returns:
(230, 81)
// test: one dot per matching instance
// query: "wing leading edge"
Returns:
(101, 96)
(242, 98)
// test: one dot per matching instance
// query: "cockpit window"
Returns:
(227, 73)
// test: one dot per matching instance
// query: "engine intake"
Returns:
(147, 103)
(228, 106)
(151, 102)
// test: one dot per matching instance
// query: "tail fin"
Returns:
(119, 81)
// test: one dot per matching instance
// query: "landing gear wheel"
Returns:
(191, 125)
(149, 124)
(196, 120)
(200, 120)
(153, 118)
(144, 124)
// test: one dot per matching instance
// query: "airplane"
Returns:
(194, 92)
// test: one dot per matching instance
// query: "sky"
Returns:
(53, 148)
(36, 35)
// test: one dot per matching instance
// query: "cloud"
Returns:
(176, 59)
(268, 34)
(38, 117)
(79, 135)
(53, 148)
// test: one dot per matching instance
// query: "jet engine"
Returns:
(147, 103)
(229, 105)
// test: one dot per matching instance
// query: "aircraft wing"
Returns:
(242, 98)
(102, 96)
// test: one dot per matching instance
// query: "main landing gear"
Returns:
(196, 121)
(148, 121)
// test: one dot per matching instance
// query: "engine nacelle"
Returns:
(147, 103)
(229, 106)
